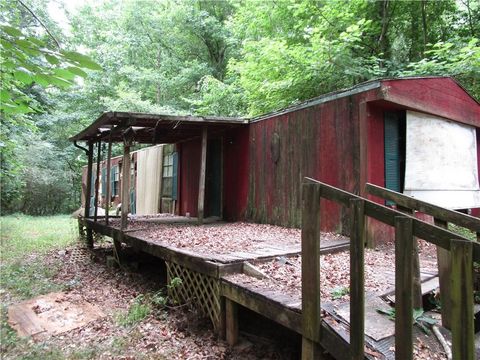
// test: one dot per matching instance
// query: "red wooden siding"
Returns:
(319, 142)
(235, 175)
(189, 165)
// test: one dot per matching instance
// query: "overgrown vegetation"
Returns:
(203, 57)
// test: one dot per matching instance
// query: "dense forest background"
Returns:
(200, 57)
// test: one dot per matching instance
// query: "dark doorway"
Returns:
(213, 181)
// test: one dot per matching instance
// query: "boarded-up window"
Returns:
(441, 162)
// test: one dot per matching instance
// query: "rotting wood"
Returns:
(463, 345)
(125, 185)
(417, 281)
(254, 271)
(357, 280)
(263, 305)
(201, 182)
(231, 322)
(97, 178)
(311, 311)
(89, 237)
(444, 263)
(108, 190)
(403, 288)
(464, 220)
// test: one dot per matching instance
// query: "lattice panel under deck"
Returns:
(201, 291)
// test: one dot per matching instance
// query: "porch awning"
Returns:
(153, 128)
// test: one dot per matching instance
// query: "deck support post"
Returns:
(201, 183)
(311, 311)
(417, 279)
(88, 193)
(357, 280)
(125, 184)
(231, 322)
(463, 336)
(97, 178)
(403, 288)
(444, 263)
(107, 180)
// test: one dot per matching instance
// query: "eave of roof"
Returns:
(150, 127)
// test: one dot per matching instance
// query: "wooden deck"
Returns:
(209, 263)
(282, 307)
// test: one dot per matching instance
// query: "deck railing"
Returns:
(442, 217)
(462, 251)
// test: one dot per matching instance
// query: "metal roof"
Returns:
(153, 128)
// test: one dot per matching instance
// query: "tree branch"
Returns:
(40, 21)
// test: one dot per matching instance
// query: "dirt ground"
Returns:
(165, 333)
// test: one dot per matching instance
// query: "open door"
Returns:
(213, 181)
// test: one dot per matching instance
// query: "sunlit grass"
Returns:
(22, 235)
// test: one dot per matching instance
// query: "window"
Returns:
(167, 174)
(115, 180)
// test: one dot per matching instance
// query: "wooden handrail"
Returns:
(470, 222)
(431, 233)
(406, 228)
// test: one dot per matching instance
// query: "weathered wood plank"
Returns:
(403, 288)
(311, 262)
(357, 280)
(108, 190)
(89, 238)
(201, 182)
(417, 282)
(431, 233)
(262, 305)
(444, 263)
(463, 346)
(438, 212)
(125, 185)
(97, 178)
(231, 322)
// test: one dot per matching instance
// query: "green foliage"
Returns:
(339, 292)
(137, 311)
(22, 235)
(419, 318)
(26, 60)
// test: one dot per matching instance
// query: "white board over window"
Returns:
(441, 162)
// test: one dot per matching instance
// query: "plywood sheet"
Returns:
(441, 162)
(51, 314)
(377, 326)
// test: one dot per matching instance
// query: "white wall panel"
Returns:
(441, 162)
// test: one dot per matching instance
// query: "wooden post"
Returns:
(444, 261)
(311, 312)
(97, 178)
(201, 183)
(108, 190)
(125, 185)
(417, 279)
(463, 346)
(231, 322)
(357, 280)
(89, 239)
(403, 288)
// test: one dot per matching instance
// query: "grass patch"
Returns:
(138, 311)
(25, 279)
(22, 235)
